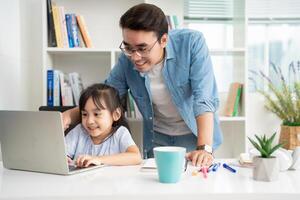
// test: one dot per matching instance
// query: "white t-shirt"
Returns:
(166, 120)
(79, 142)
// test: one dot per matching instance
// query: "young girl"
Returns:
(102, 137)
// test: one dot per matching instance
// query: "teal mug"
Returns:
(170, 162)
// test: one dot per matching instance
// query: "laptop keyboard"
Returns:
(73, 168)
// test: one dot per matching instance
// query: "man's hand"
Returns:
(200, 158)
(87, 160)
(66, 119)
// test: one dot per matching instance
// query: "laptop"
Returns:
(34, 141)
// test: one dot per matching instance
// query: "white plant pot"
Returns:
(265, 169)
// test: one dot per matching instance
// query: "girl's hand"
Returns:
(87, 160)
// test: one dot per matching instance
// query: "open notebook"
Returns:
(149, 165)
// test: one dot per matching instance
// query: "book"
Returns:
(64, 33)
(245, 160)
(233, 100)
(175, 20)
(56, 88)
(53, 88)
(169, 22)
(50, 25)
(84, 31)
(74, 30)
(69, 29)
(149, 165)
(128, 111)
(237, 102)
(131, 106)
(57, 26)
(50, 85)
(65, 90)
(76, 85)
(138, 114)
(80, 39)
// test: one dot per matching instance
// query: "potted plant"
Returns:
(266, 167)
(283, 99)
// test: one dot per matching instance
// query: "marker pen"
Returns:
(210, 167)
(216, 166)
(204, 171)
(229, 168)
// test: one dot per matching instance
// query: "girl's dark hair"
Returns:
(146, 17)
(109, 96)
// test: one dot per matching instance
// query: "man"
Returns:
(171, 79)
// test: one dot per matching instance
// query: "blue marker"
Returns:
(229, 168)
(210, 168)
(216, 166)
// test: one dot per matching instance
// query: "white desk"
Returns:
(130, 183)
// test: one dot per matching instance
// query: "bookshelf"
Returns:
(94, 64)
(234, 128)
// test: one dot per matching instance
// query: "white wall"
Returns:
(259, 120)
(20, 54)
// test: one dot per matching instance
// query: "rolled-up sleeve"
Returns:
(202, 77)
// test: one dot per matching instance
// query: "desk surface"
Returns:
(128, 182)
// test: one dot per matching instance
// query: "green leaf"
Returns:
(269, 143)
(275, 148)
(282, 98)
(259, 140)
(264, 139)
(261, 150)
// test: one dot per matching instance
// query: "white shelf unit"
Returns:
(234, 128)
(102, 20)
(93, 64)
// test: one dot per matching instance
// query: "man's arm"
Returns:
(71, 116)
(205, 127)
(205, 96)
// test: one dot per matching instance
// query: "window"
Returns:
(273, 43)
(273, 37)
(216, 20)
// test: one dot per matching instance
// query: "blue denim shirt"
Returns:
(188, 75)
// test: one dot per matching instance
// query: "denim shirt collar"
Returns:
(170, 50)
